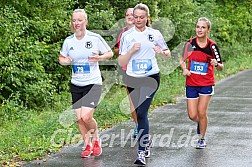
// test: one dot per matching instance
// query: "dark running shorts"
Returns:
(193, 92)
(86, 96)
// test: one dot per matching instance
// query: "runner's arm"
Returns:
(64, 60)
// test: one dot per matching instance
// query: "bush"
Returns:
(29, 54)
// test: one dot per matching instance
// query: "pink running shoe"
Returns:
(97, 149)
(87, 152)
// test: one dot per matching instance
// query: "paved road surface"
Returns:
(229, 135)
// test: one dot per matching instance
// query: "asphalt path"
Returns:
(229, 135)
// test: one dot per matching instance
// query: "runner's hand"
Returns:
(94, 58)
(136, 47)
(66, 60)
(186, 72)
(214, 62)
(157, 49)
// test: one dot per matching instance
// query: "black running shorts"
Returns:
(86, 96)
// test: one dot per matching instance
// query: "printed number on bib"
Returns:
(141, 65)
(81, 69)
(199, 68)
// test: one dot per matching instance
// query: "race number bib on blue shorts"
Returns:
(199, 68)
(81, 69)
(141, 65)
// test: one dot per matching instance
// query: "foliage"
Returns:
(234, 25)
(29, 47)
(182, 15)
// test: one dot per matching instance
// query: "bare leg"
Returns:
(87, 124)
(202, 112)
(90, 122)
(82, 127)
(192, 108)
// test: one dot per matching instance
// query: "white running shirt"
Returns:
(84, 72)
(143, 62)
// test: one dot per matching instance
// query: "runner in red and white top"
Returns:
(202, 72)
(203, 56)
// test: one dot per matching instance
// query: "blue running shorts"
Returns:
(193, 92)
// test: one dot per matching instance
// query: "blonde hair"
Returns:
(145, 8)
(128, 10)
(78, 11)
(206, 20)
(81, 11)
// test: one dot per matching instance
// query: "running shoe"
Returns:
(97, 149)
(198, 129)
(147, 149)
(87, 152)
(135, 133)
(140, 158)
(201, 143)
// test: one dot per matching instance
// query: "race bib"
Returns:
(199, 68)
(81, 69)
(141, 65)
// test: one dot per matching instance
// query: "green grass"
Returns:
(37, 133)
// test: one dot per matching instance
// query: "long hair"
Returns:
(145, 8)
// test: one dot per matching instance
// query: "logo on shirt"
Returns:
(88, 44)
(133, 40)
(216, 53)
(194, 47)
(71, 48)
(150, 38)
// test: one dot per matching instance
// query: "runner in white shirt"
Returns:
(84, 71)
(143, 62)
(83, 50)
(138, 48)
